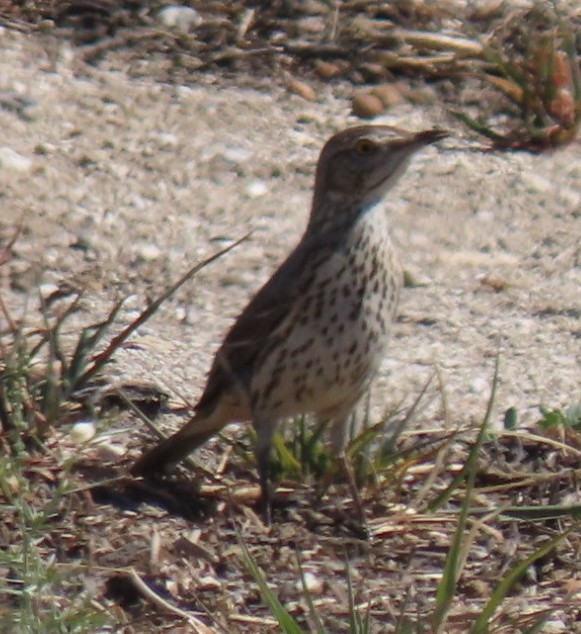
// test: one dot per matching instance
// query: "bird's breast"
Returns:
(334, 341)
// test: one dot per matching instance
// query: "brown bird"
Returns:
(312, 339)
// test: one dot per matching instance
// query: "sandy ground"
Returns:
(121, 184)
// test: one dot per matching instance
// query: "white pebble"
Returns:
(181, 313)
(83, 432)
(236, 154)
(149, 252)
(256, 189)
(9, 159)
(486, 215)
(47, 289)
(313, 584)
(537, 183)
(166, 140)
(183, 19)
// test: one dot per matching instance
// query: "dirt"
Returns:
(124, 182)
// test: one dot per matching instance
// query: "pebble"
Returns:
(82, 432)
(256, 189)
(480, 385)
(184, 19)
(166, 140)
(44, 148)
(537, 183)
(109, 451)
(47, 289)
(388, 94)
(12, 160)
(366, 105)
(312, 583)
(327, 70)
(302, 89)
(236, 154)
(149, 252)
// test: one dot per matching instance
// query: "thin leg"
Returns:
(264, 433)
(339, 439)
(350, 473)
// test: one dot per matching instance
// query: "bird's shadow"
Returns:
(181, 497)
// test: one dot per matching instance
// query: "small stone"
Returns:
(184, 19)
(374, 72)
(44, 148)
(311, 582)
(327, 70)
(47, 289)
(479, 385)
(236, 154)
(418, 95)
(311, 24)
(366, 105)
(388, 94)
(82, 432)
(166, 140)
(301, 89)
(535, 182)
(149, 252)
(11, 160)
(256, 189)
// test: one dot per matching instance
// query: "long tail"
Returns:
(161, 458)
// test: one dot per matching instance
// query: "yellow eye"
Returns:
(365, 147)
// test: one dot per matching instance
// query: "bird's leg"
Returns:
(339, 441)
(354, 489)
(264, 434)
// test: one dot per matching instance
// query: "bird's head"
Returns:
(360, 164)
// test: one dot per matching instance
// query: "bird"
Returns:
(311, 340)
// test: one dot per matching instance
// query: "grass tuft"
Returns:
(536, 78)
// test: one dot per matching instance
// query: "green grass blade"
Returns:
(538, 626)
(319, 628)
(289, 464)
(78, 374)
(481, 625)
(536, 513)
(357, 625)
(101, 359)
(459, 478)
(286, 622)
(447, 586)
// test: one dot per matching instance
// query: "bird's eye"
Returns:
(365, 147)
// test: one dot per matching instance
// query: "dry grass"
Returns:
(84, 548)
(452, 514)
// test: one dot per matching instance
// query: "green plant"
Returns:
(301, 451)
(42, 384)
(534, 67)
(40, 596)
(570, 418)
(411, 621)
(40, 380)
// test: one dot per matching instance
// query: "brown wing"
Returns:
(258, 326)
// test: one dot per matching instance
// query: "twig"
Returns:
(199, 626)
(234, 53)
(437, 41)
(100, 359)
(121, 40)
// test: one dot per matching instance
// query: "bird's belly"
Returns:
(328, 357)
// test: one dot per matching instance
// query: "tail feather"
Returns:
(165, 455)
